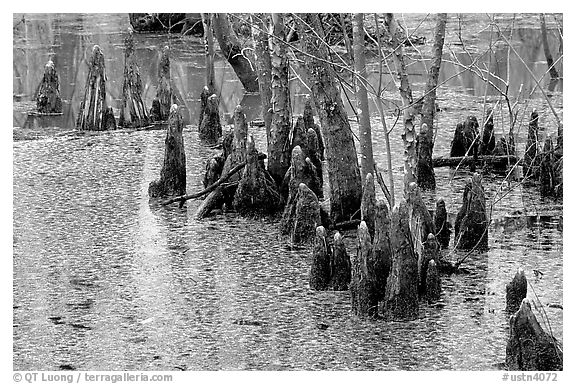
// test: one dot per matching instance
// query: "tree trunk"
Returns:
(368, 204)
(425, 171)
(133, 110)
(532, 147)
(409, 135)
(234, 53)
(48, 100)
(163, 100)
(343, 172)
(172, 180)
(278, 148)
(549, 59)
(208, 50)
(264, 69)
(365, 130)
(93, 108)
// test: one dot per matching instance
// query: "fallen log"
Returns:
(207, 190)
(497, 161)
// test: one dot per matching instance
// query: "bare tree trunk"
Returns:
(279, 151)
(233, 52)
(208, 50)
(549, 59)
(343, 172)
(263, 67)
(425, 171)
(163, 100)
(365, 131)
(409, 135)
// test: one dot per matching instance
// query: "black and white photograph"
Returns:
(286, 192)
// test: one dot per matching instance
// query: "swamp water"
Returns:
(105, 280)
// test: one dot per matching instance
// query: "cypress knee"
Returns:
(173, 174)
(381, 249)
(529, 347)
(257, 193)
(364, 302)
(320, 268)
(132, 111)
(161, 103)
(433, 282)
(48, 100)
(340, 265)
(516, 291)
(210, 129)
(93, 108)
(424, 168)
(530, 166)
(401, 299)
(442, 224)
(471, 226)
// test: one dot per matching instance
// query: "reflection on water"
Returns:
(105, 280)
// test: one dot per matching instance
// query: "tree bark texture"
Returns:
(430, 252)
(308, 116)
(278, 148)
(343, 171)
(365, 130)
(172, 180)
(133, 110)
(208, 50)
(532, 147)
(433, 282)
(93, 108)
(263, 68)
(48, 100)
(409, 134)
(471, 226)
(401, 299)
(529, 347)
(368, 204)
(425, 170)
(234, 53)
(301, 216)
(163, 100)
